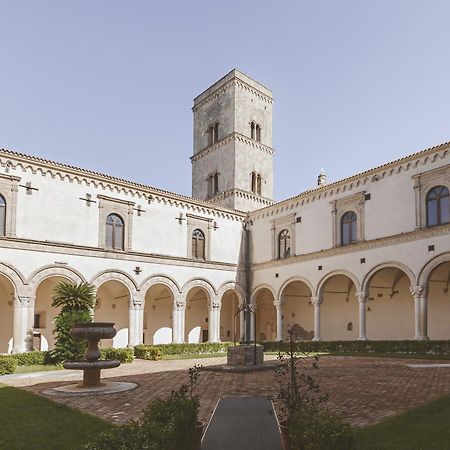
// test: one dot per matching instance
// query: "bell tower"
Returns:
(232, 164)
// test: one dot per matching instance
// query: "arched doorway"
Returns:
(266, 315)
(196, 315)
(44, 313)
(297, 311)
(390, 305)
(339, 309)
(158, 315)
(439, 302)
(6, 314)
(230, 321)
(113, 299)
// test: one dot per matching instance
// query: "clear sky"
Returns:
(108, 85)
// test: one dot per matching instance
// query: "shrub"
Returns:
(33, 358)
(7, 364)
(124, 355)
(147, 352)
(183, 349)
(313, 427)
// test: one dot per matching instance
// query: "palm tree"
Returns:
(74, 297)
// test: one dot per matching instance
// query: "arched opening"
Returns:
(198, 244)
(298, 312)
(438, 206)
(338, 308)
(390, 305)
(266, 316)
(196, 318)
(6, 314)
(284, 244)
(114, 232)
(229, 320)
(348, 228)
(158, 315)
(44, 313)
(2, 216)
(439, 302)
(113, 299)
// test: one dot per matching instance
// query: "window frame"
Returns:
(284, 239)
(439, 207)
(351, 225)
(113, 226)
(197, 237)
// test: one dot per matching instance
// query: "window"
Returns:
(438, 206)
(212, 134)
(252, 130)
(114, 232)
(258, 133)
(256, 183)
(213, 184)
(284, 244)
(255, 131)
(198, 244)
(2, 216)
(348, 228)
(253, 182)
(37, 321)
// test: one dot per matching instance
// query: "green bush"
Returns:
(147, 352)
(313, 427)
(33, 358)
(7, 364)
(183, 349)
(405, 347)
(124, 355)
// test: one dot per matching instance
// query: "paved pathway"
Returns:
(363, 390)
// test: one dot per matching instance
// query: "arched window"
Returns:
(2, 216)
(216, 132)
(253, 182)
(258, 184)
(438, 206)
(114, 232)
(258, 133)
(198, 244)
(252, 130)
(348, 228)
(284, 244)
(216, 183)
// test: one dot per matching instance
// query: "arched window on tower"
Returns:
(198, 244)
(216, 183)
(253, 182)
(114, 232)
(210, 135)
(252, 130)
(258, 184)
(258, 133)
(438, 206)
(284, 244)
(216, 132)
(348, 228)
(2, 216)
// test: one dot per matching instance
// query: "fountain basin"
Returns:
(82, 365)
(93, 330)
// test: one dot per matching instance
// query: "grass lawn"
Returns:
(424, 428)
(391, 355)
(28, 421)
(37, 368)
(194, 356)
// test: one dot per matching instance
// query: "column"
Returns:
(416, 292)
(279, 308)
(252, 337)
(424, 315)
(23, 324)
(362, 301)
(135, 319)
(178, 316)
(241, 326)
(316, 301)
(214, 320)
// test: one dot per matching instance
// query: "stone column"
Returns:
(214, 321)
(316, 301)
(362, 301)
(178, 316)
(416, 292)
(241, 326)
(279, 308)
(135, 321)
(252, 325)
(23, 321)
(424, 317)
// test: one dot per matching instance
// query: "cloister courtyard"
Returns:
(364, 390)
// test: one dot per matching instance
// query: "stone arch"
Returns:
(405, 269)
(116, 275)
(343, 272)
(53, 271)
(167, 281)
(13, 275)
(292, 280)
(258, 288)
(425, 272)
(232, 285)
(199, 282)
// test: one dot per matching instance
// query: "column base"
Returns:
(421, 338)
(317, 339)
(362, 339)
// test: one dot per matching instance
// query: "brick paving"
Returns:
(363, 390)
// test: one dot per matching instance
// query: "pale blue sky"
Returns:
(108, 85)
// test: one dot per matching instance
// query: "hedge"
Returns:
(144, 351)
(406, 347)
(7, 364)
(124, 355)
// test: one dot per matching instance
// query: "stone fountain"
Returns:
(92, 365)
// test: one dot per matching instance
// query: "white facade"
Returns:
(389, 281)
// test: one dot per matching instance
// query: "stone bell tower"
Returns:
(232, 164)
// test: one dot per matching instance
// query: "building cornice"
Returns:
(357, 181)
(11, 160)
(62, 248)
(242, 194)
(357, 247)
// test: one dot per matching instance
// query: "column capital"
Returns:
(137, 303)
(179, 305)
(417, 291)
(361, 297)
(316, 300)
(216, 305)
(25, 301)
(277, 304)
